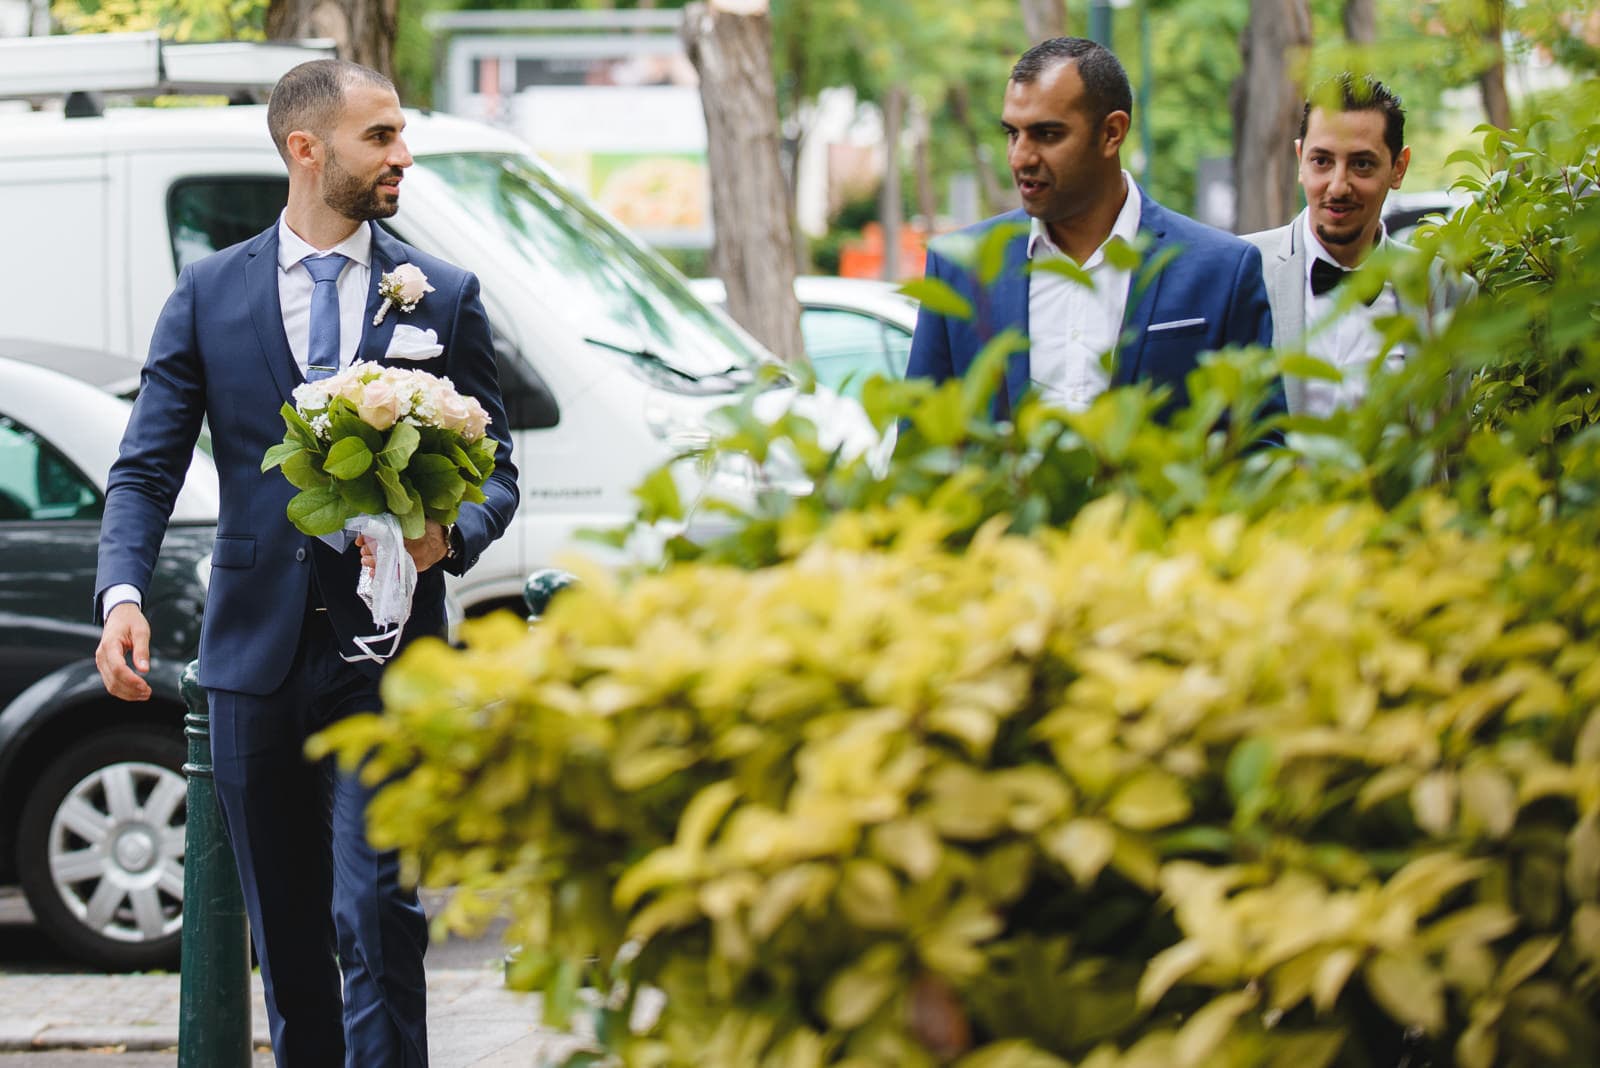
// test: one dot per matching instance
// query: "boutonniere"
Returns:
(405, 285)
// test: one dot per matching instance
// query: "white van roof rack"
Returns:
(40, 68)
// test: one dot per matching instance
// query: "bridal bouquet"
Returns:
(378, 451)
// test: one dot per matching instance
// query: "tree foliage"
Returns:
(177, 20)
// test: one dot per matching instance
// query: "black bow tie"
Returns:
(1325, 277)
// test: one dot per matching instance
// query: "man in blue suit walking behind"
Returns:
(339, 939)
(1066, 114)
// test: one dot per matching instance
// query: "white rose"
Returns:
(310, 397)
(450, 411)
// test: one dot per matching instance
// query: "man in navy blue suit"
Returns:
(1066, 114)
(279, 652)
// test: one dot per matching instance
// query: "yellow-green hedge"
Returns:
(1306, 791)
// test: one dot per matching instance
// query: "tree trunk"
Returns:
(363, 30)
(1492, 82)
(752, 252)
(927, 201)
(1360, 21)
(891, 207)
(1266, 113)
(989, 189)
(1044, 19)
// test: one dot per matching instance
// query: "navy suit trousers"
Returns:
(321, 900)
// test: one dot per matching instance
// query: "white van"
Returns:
(608, 364)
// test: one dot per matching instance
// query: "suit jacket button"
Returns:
(300, 553)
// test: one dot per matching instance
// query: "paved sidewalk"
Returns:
(473, 1021)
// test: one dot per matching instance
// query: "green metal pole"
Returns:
(1100, 22)
(214, 976)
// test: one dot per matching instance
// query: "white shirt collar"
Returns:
(292, 248)
(1126, 227)
(1318, 251)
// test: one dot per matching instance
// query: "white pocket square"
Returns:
(409, 343)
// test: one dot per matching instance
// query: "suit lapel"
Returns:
(1141, 306)
(386, 256)
(1289, 281)
(266, 313)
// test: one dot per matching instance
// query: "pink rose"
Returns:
(451, 410)
(411, 283)
(477, 420)
(379, 405)
(346, 385)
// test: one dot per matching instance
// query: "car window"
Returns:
(844, 346)
(898, 341)
(36, 482)
(211, 213)
(583, 264)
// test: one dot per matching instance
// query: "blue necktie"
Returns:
(322, 354)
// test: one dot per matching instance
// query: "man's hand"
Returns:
(425, 551)
(125, 631)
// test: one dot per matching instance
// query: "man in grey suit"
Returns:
(1352, 152)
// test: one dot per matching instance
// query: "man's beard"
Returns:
(350, 197)
(1333, 237)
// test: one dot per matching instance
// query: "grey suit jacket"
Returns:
(1283, 260)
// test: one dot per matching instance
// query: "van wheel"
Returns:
(100, 849)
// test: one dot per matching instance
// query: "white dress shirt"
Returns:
(1070, 325)
(1348, 341)
(294, 298)
(295, 284)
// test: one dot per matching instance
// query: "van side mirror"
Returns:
(529, 403)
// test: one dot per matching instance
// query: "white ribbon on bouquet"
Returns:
(388, 588)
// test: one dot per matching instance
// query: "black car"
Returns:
(92, 794)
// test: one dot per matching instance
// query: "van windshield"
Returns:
(590, 269)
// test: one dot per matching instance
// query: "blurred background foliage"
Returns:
(951, 61)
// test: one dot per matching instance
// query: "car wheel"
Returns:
(100, 849)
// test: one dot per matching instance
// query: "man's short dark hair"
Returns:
(311, 96)
(1105, 83)
(1346, 92)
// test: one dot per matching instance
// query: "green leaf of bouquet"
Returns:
(445, 516)
(403, 439)
(345, 423)
(413, 522)
(297, 426)
(363, 495)
(394, 494)
(304, 470)
(474, 494)
(348, 458)
(318, 511)
(459, 455)
(481, 453)
(279, 453)
(437, 479)
(939, 296)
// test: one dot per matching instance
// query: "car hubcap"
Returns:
(116, 851)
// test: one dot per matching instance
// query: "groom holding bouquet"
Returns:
(322, 288)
